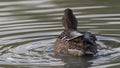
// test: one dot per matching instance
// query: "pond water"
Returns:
(29, 28)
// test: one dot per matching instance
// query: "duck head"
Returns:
(69, 21)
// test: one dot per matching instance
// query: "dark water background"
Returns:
(28, 29)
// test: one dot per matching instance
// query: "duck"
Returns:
(73, 41)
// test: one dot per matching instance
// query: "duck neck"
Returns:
(70, 29)
(69, 21)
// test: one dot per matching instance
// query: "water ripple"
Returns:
(28, 30)
(22, 2)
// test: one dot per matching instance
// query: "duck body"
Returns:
(74, 42)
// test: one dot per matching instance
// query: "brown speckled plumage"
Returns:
(74, 42)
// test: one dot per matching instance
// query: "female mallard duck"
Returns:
(74, 42)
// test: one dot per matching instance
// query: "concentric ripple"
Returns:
(28, 29)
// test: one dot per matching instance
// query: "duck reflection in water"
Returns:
(74, 42)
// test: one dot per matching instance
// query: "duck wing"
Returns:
(90, 39)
